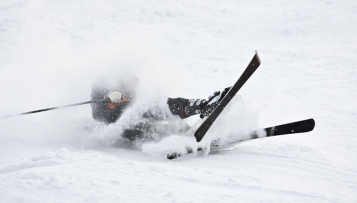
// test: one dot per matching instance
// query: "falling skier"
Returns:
(110, 100)
(121, 94)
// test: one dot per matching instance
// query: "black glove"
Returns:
(213, 101)
(186, 108)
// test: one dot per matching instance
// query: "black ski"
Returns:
(284, 129)
(253, 65)
(289, 128)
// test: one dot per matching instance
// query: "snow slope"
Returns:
(51, 51)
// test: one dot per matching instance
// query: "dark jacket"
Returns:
(103, 113)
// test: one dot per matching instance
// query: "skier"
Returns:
(121, 93)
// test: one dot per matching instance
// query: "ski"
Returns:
(253, 65)
(289, 128)
(284, 129)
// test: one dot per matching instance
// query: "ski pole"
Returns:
(53, 108)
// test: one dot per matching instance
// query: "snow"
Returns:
(51, 52)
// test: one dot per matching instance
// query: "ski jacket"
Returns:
(103, 112)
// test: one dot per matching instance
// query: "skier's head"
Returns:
(126, 83)
(120, 89)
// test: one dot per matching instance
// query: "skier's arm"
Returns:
(98, 111)
(178, 106)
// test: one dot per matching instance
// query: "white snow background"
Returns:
(51, 52)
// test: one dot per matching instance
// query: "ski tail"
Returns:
(253, 65)
(289, 128)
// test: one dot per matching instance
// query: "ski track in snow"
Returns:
(51, 51)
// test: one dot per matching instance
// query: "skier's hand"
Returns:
(115, 96)
(212, 102)
(186, 108)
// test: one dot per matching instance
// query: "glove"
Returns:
(115, 96)
(213, 101)
(205, 107)
(186, 108)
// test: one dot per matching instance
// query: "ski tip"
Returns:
(256, 55)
